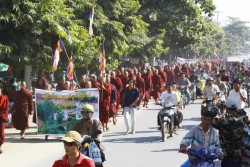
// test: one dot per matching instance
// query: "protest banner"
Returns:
(183, 61)
(58, 111)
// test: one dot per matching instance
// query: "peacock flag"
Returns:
(59, 49)
(70, 69)
(102, 59)
(91, 20)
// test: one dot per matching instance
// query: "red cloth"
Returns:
(23, 105)
(157, 86)
(42, 84)
(82, 161)
(117, 82)
(163, 75)
(140, 84)
(4, 110)
(82, 85)
(148, 85)
(2, 134)
(104, 104)
(113, 100)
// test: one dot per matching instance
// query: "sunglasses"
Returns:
(69, 143)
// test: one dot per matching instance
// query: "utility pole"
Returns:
(217, 15)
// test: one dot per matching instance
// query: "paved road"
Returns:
(143, 149)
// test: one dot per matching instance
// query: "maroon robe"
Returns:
(113, 100)
(119, 87)
(140, 84)
(148, 85)
(23, 106)
(124, 84)
(104, 103)
(157, 86)
(60, 86)
(82, 85)
(95, 84)
(4, 110)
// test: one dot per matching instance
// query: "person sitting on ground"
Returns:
(87, 125)
(73, 157)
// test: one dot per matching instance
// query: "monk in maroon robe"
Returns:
(113, 101)
(23, 106)
(116, 81)
(83, 81)
(148, 86)
(61, 85)
(94, 82)
(124, 79)
(4, 110)
(104, 104)
(177, 72)
(157, 86)
(163, 75)
(140, 84)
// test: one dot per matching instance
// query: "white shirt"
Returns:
(170, 97)
(236, 96)
(211, 90)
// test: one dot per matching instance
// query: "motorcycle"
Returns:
(200, 86)
(221, 102)
(167, 120)
(184, 99)
(209, 104)
(200, 158)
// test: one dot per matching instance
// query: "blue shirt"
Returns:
(130, 96)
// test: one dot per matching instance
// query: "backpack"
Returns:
(95, 153)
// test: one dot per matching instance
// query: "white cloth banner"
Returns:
(183, 61)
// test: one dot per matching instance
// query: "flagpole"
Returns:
(68, 59)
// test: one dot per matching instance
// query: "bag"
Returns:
(95, 153)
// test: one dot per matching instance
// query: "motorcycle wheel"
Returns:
(164, 130)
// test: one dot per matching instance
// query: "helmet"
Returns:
(88, 107)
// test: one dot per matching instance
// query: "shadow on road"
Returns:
(187, 127)
(148, 139)
(167, 150)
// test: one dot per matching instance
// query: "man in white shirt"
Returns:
(240, 95)
(210, 89)
(169, 96)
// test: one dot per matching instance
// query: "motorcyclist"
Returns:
(169, 96)
(203, 75)
(222, 86)
(87, 125)
(202, 136)
(210, 89)
(184, 83)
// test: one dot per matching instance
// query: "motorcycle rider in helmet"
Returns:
(87, 125)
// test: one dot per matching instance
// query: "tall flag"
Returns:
(102, 59)
(70, 69)
(91, 19)
(59, 49)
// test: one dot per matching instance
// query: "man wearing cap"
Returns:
(131, 96)
(202, 136)
(73, 157)
(230, 134)
(87, 125)
(210, 89)
(239, 94)
(184, 83)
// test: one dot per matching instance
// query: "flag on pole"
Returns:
(59, 49)
(70, 69)
(91, 20)
(102, 59)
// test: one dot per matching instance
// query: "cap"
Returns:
(72, 136)
(231, 103)
(210, 79)
(88, 107)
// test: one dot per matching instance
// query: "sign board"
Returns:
(134, 61)
(58, 111)
(183, 61)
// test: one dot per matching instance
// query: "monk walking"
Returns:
(4, 109)
(23, 106)
(157, 86)
(140, 84)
